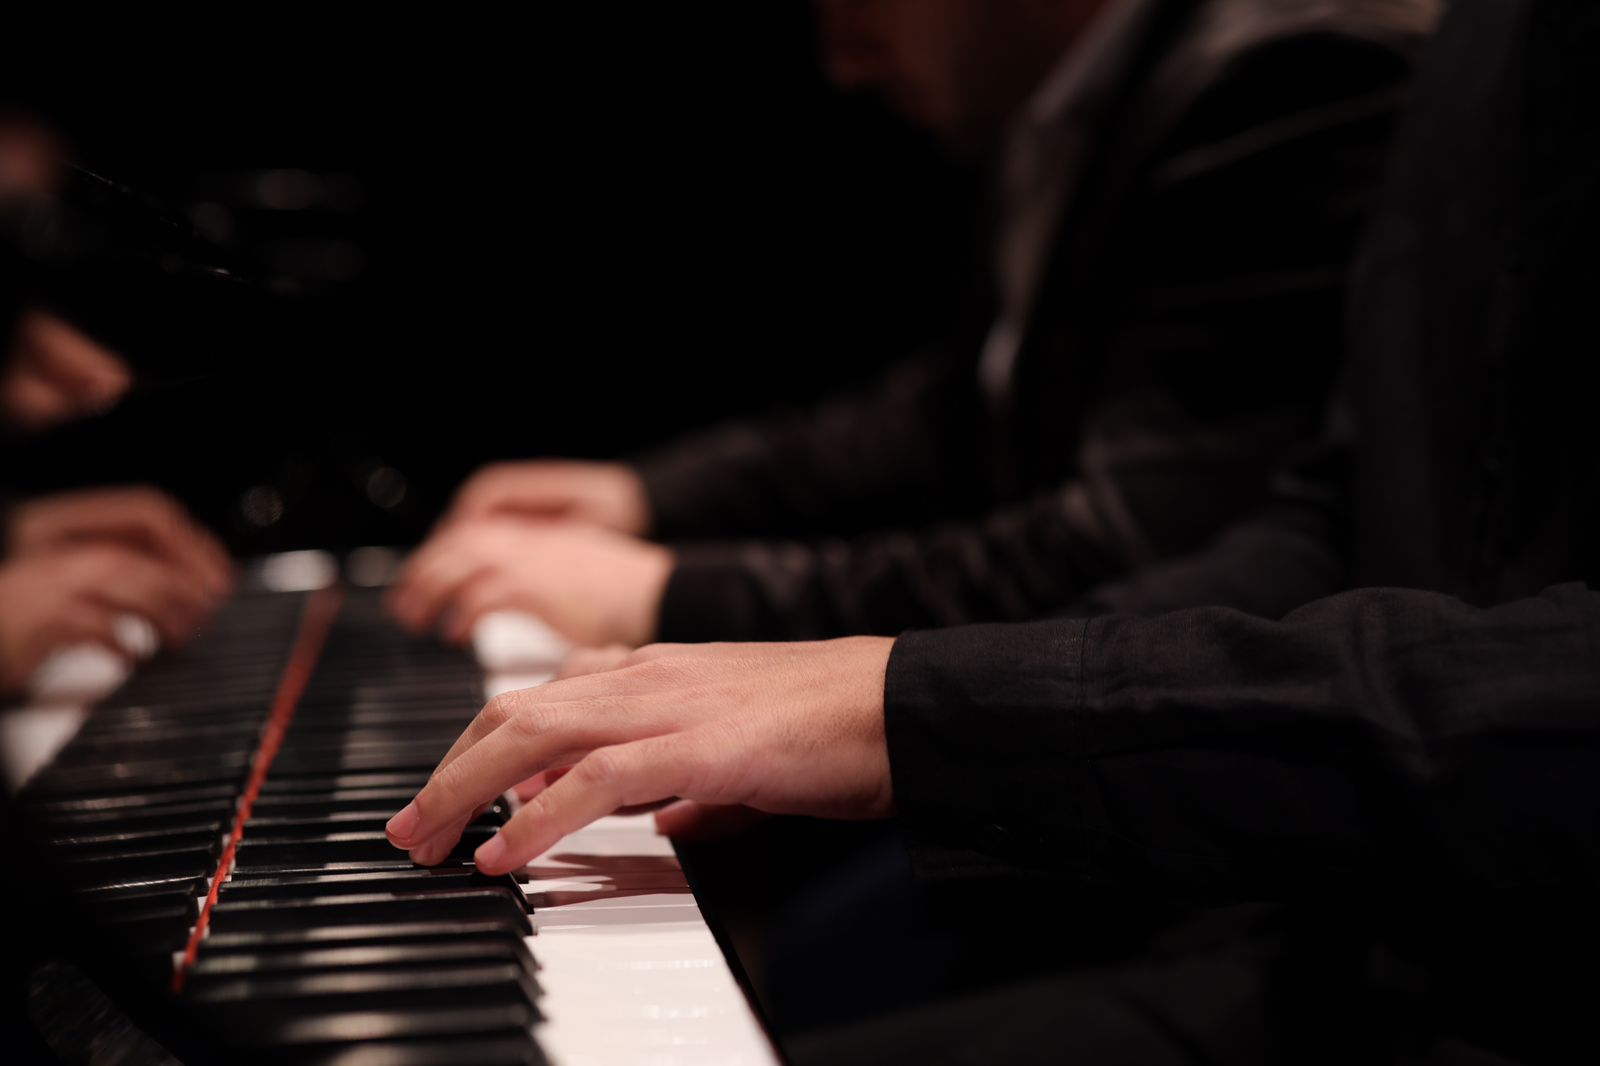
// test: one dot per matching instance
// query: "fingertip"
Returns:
(491, 855)
(428, 854)
(402, 828)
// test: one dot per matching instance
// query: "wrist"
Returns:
(640, 620)
(633, 509)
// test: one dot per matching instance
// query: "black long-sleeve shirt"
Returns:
(1422, 749)
(1352, 741)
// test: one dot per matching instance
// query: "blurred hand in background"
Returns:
(31, 158)
(54, 373)
(135, 518)
(609, 495)
(593, 585)
(75, 594)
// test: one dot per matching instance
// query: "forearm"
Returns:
(1010, 566)
(1149, 501)
(1395, 746)
(903, 449)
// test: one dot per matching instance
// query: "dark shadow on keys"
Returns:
(609, 877)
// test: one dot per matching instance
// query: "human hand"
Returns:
(609, 495)
(135, 517)
(781, 728)
(32, 157)
(54, 373)
(682, 820)
(75, 595)
(594, 586)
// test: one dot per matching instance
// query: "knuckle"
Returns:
(499, 710)
(654, 671)
(605, 767)
(442, 789)
(535, 722)
(533, 812)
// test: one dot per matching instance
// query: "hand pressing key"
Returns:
(782, 728)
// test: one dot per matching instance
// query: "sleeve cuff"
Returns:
(665, 486)
(989, 764)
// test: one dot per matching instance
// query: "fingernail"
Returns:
(490, 853)
(403, 825)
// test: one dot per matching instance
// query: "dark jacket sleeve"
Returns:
(1016, 564)
(908, 445)
(1292, 551)
(1205, 389)
(1381, 745)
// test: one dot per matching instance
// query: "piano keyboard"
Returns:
(223, 813)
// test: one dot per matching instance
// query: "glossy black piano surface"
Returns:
(259, 766)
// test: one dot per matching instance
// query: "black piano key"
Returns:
(169, 815)
(420, 757)
(179, 906)
(75, 840)
(461, 904)
(344, 847)
(310, 804)
(213, 964)
(189, 886)
(502, 1051)
(280, 782)
(317, 1027)
(121, 867)
(99, 800)
(401, 861)
(462, 984)
(326, 944)
(371, 821)
(416, 879)
(373, 934)
(228, 769)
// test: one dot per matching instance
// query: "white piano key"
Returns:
(516, 642)
(30, 737)
(302, 571)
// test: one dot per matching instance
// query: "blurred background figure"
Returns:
(73, 564)
(1152, 319)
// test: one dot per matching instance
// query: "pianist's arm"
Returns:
(1397, 746)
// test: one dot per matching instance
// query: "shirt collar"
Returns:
(1089, 66)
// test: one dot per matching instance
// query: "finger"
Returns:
(496, 489)
(92, 375)
(591, 691)
(434, 586)
(160, 524)
(32, 402)
(217, 562)
(69, 623)
(193, 546)
(645, 771)
(688, 820)
(479, 596)
(420, 559)
(523, 745)
(416, 571)
(83, 622)
(173, 601)
(431, 852)
(583, 661)
(539, 782)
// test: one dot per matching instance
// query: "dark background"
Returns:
(469, 236)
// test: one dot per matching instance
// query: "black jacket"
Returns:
(1425, 754)
(1185, 334)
